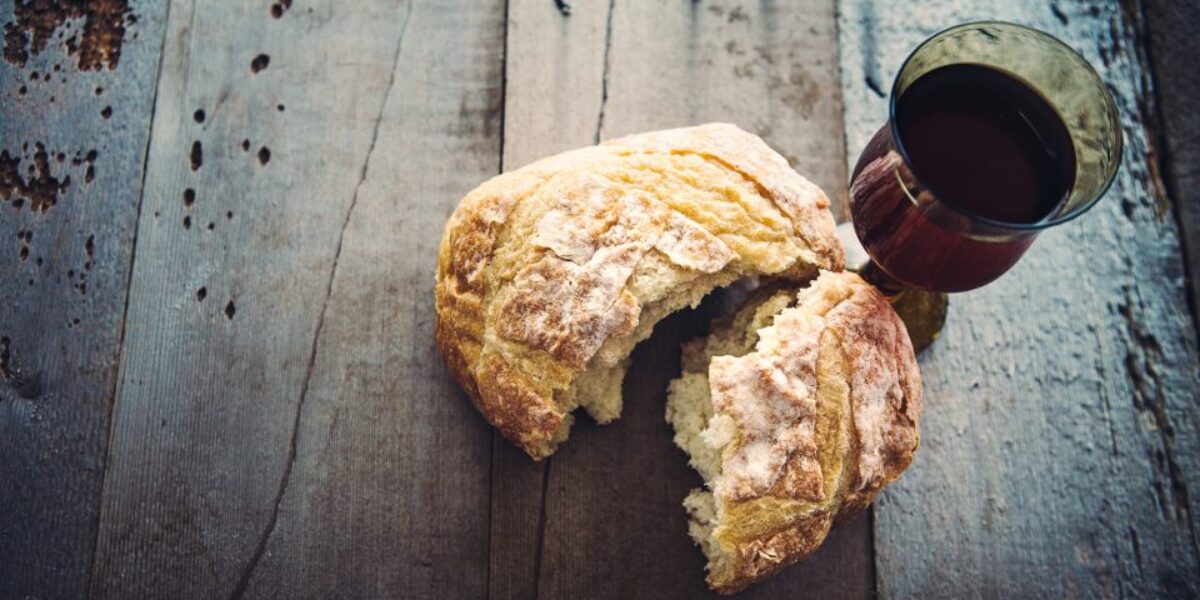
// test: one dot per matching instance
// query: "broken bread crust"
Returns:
(549, 275)
(797, 410)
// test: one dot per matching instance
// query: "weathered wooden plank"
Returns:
(1060, 451)
(612, 524)
(390, 491)
(1167, 32)
(66, 245)
(282, 426)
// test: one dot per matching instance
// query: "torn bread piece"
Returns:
(549, 275)
(796, 411)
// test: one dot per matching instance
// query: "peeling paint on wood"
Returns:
(70, 187)
(92, 32)
(1168, 36)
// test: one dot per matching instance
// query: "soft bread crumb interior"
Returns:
(694, 187)
(706, 436)
(701, 507)
(690, 412)
(598, 389)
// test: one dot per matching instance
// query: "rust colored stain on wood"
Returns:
(98, 45)
(40, 188)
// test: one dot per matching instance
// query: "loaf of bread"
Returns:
(549, 275)
(796, 411)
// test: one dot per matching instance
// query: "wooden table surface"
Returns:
(218, 226)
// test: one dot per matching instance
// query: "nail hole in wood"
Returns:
(259, 63)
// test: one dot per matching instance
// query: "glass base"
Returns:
(923, 313)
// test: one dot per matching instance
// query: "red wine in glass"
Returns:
(995, 133)
(985, 145)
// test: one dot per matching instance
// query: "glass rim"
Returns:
(898, 142)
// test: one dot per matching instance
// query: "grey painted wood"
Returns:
(603, 518)
(1060, 449)
(64, 270)
(283, 426)
(1166, 31)
(389, 496)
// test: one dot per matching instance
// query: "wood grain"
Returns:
(390, 492)
(1166, 32)
(283, 427)
(1060, 449)
(611, 524)
(64, 270)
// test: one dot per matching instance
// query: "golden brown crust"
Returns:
(760, 558)
(748, 155)
(885, 388)
(543, 268)
(523, 413)
(825, 412)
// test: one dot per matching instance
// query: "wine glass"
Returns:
(996, 132)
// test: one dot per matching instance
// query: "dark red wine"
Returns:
(980, 142)
(986, 143)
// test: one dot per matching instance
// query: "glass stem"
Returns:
(880, 279)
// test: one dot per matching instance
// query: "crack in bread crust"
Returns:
(547, 271)
(851, 378)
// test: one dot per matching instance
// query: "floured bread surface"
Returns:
(796, 411)
(549, 275)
